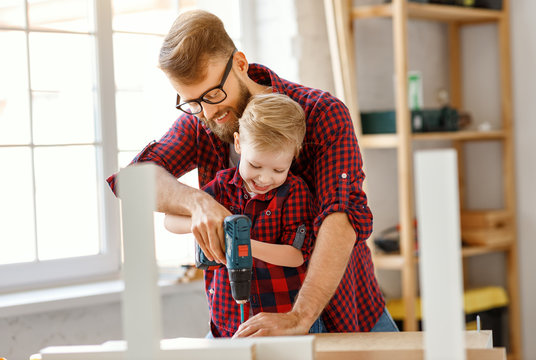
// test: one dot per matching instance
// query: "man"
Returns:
(214, 83)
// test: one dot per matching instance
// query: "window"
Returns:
(66, 123)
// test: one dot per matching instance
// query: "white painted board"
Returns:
(440, 269)
(141, 298)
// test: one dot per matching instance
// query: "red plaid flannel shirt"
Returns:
(281, 216)
(331, 165)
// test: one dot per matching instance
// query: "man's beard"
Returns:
(226, 130)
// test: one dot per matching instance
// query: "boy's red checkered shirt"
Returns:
(331, 165)
(281, 216)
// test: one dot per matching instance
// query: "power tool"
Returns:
(238, 255)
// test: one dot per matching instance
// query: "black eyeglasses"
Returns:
(213, 96)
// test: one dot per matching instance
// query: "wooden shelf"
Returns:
(444, 13)
(468, 251)
(460, 135)
(340, 15)
(396, 261)
(388, 261)
(391, 140)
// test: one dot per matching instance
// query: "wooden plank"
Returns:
(405, 340)
(509, 180)
(438, 216)
(372, 11)
(472, 354)
(341, 41)
(448, 13)
(435, 12)
(455, 68)
(481, 250)
(141, 298)
(404, 161)
(378, 141)
(461, 135)
(456, 101)
(389, 261)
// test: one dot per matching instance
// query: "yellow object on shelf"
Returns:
(475, 300)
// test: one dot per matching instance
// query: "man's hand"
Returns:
(273, 324)
(207, 227)
(207, 214)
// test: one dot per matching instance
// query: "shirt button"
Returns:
(231, 208)
(211, 291)
(268, 213)
(246, 196)
(344, 176)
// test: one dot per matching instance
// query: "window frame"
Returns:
(107, 264)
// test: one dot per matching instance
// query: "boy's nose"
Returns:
(264, 178)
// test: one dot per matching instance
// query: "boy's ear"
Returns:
(237, 142)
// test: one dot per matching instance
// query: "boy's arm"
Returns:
(178, 224)
(276, 254)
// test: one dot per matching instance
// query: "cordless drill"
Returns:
(238, 256)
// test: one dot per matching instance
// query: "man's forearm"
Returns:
(170, 191)
(333, 246)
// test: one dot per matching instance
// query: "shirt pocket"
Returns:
(268, 226)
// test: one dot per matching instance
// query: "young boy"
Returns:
(279, 204)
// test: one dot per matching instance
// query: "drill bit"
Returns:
(241, 313)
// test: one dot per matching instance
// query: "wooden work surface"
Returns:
(392, 340)
(406, 345)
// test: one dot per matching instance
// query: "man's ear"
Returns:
(241, 63)
(237, 142)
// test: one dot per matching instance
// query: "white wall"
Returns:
(524, 60)
(185, 314)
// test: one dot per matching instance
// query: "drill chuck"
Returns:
(240, 280)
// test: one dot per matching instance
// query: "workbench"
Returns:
(339, 346)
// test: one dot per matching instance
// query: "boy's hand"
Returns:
(207, 227)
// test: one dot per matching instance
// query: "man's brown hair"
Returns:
(195, 37)
(271, 122)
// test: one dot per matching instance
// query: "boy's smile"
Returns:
(263, 170)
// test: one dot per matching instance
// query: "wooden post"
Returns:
(341, 44)
(509, 179)
(405, 163)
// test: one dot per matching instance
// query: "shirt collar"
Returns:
(264, 76)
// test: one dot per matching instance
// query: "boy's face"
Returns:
(265, 170)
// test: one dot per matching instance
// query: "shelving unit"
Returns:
(340, 15)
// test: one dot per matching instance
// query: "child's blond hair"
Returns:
(272, 121)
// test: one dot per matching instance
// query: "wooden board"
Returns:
(405, 340)
(472, 354)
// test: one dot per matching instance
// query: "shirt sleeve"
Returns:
(339, 172)
(175, 151)
(212, 189)
(297, 219)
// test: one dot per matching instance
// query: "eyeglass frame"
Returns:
(200, 99)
